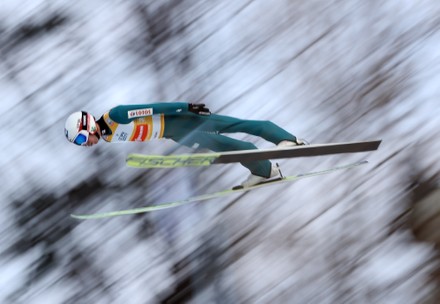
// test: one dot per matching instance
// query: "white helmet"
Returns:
(79, 126)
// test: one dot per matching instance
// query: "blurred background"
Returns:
(327, 71)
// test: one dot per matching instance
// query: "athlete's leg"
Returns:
(218, 143)
(190, 129)
(262, 128)
(225, 124)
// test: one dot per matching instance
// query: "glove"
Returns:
(198, 108)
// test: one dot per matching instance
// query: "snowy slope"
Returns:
(325, 70)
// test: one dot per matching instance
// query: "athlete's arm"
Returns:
(124, 114)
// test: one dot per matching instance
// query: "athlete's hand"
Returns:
(198, 108)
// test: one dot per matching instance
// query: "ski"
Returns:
(208, 196)
(207, 159)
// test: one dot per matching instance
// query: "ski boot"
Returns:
(290, 143)
(253, 180)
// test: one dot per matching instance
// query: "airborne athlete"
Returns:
(185, 123)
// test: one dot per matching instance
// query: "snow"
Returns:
(327, 71)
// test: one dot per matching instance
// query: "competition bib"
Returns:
(140, 129)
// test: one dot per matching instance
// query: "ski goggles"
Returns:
(83, 135)
(81, 138)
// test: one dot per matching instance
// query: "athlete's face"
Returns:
(92, 140)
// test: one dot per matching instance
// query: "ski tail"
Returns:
(171, 161)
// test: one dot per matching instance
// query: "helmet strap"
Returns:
(83, 120)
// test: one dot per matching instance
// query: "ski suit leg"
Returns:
(190, 129)
(225, 124)
(219, 143)
(261, 128)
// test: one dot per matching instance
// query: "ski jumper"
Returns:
(174, 121)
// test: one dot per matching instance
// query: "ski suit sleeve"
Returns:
(124, 114)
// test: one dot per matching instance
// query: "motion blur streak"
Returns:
(328, 71)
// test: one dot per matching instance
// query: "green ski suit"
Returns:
(174, 121)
